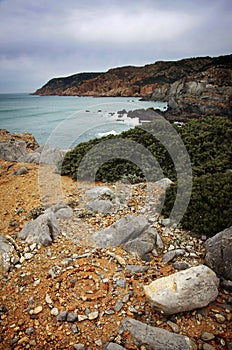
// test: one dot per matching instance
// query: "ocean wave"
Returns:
(111, 132)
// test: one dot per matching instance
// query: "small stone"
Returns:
(121, 283)
(118, 306)
(29, 331)
(33, 246)
(126, 298)
(180, 265)
(206, 336)
(79, 346)
(72, 317)
(175, 328)
(93, 315)
(62, 316)
(74, 328)
(48, 299)
(82, 318)
(37, 310)
(54, 311)
(219, 318)
(208, 347)
(169, 256)
(98, 342)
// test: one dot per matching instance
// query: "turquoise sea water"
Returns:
(66, 121)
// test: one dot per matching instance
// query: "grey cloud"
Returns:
(39, 40)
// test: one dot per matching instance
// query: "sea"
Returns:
(66, 121)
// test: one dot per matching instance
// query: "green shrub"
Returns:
(210, 207)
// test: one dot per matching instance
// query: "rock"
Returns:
(113, 346)
(138, 247)
(61, 210)
(136, 268)
(186, 290)
(30, 158)
(219, 253)
(99, 191)
(101, 206)
(155, 338)
(42, 230)
(208, 347)
(28, 256)
(219, 318)
(54, 311)
(12, 150)
(72, 316)
(164, 183)
(122, 231)
(93, 315)
(21, 171)
(168, 256)
(37, 310)
(7, 253)
(206, 336)
(62, 316)
(175, 328)
(180, 265)
(79, 346)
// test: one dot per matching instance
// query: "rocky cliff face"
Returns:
(190, 86)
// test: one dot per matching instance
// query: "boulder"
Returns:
(143, 244)
(12, 150)
(164, 183)
(98, 191)
(219, 253)
(30, 158)
(42, 230)
(101, 206)
(113, 346)
(186, 290)
(61, 210)
(122, 231)
(155, 338)
(7, 253)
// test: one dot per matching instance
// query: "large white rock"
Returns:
(186, 290)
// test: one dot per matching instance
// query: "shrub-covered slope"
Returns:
(208, 143)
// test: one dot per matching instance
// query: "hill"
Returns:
(193, 86)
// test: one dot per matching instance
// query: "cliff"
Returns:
(190, 86)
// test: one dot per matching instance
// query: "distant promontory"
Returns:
(193, 86)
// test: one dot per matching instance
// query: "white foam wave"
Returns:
(101, 134)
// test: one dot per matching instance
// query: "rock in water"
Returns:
(186, 290)
(42, 230)
(122, 231)
(155, 338)
(219, 253)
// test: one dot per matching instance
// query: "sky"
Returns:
(43, 39)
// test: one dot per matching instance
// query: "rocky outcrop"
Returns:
(219, 253)
(194, 86)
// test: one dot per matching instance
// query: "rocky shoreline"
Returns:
(103, 270)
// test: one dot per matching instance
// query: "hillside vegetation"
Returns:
(208, 143)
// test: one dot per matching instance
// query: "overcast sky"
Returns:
(42, 39)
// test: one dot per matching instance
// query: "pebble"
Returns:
(180, 265)
(208, 347)
(72, 316)
(98, 342)
(82, 318)
(219, 318)
(118, 306)
(121, 283)
(29, 331)
(36, 310)
(169, 256)
(48, 299)
(93, 315)
(206, 336)
(54, 311)
(62, 316)
(79, 346)
(175, 328)
(74, 328)
(28, 256)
